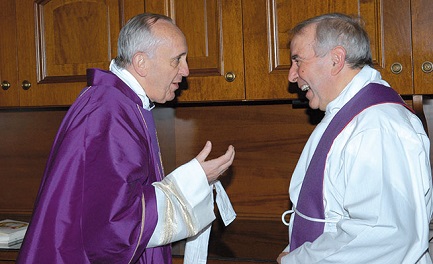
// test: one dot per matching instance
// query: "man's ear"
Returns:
(139, 62)
(338, 56)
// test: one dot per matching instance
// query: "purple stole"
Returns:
(310, 200)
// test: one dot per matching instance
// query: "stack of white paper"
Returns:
(12, 232)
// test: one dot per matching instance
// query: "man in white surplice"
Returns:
(377, 186)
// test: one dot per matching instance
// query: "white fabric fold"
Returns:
(196, 247)
(224, 205)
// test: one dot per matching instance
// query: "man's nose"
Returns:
(184, 70)
(293, 74)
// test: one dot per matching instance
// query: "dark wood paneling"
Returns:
(26, 139)
(268, 140)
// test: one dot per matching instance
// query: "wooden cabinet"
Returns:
(250, 40)
(267, 24)
(8, 61)
(247, 39)
(400, 33)
(48, 45)
(215, 46)
(405, 54)
(238, 50)
(422, 41)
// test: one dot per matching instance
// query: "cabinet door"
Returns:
(394, 53)
(213, 30)
(57, 41)
(422, 39)
(9, 94)
(266, 27)
(406, 54)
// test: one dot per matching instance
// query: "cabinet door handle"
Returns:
(427, 67)
(230, 76)
(396, 68)
(6, 85)
(26, 85)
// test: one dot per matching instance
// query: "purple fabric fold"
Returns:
(89, 207)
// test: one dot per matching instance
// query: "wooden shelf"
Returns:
(243, 241)
(248, 239)
(8, 255)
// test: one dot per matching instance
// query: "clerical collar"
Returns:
(127, 78)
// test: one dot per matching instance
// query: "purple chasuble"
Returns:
(310, 201)
(96, 202)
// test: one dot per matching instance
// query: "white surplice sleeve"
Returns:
(185, 207)
(184, 203)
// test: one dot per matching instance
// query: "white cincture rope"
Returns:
(283, 216)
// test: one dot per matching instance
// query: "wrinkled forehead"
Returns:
(168, 31)
(172, 42)
(303, 41)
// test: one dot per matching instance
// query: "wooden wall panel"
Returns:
(268, 140)
(26, 139)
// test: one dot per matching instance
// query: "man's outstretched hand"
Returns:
(215, 167)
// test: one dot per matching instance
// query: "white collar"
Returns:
(130, 80)
(365, 76)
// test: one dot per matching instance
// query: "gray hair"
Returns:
(137, 36)
(337, 29)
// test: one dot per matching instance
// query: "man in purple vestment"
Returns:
(104, 197)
